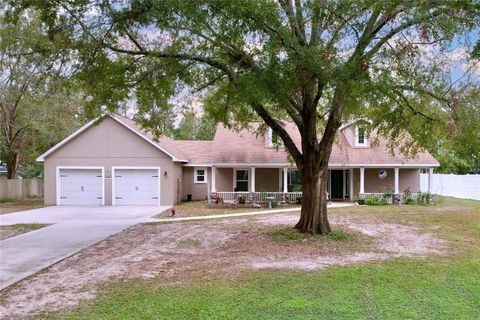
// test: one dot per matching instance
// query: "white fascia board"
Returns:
(382, 165)
(239, 165)
(41, 158)
(330, 165)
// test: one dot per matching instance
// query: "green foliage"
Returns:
(410, 201)
(375, 201)
(38, 105)
(192, 127)
(339, 235)
(242, 199)
(425, 198)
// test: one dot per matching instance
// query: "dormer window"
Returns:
(360, 136)
(272, 139)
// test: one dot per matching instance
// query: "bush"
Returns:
(424, 198)
(375, 201)
(410, 201)
(242, 199)
(299, 200)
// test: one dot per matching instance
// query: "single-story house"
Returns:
(112, 161)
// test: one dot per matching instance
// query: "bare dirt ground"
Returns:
(180, 252)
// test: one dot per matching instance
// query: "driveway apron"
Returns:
(78, 228)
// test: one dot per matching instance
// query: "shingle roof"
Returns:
(244, 146)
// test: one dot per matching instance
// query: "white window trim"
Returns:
(195, 175)
(235, 178)
(159, 171)
(57, 187)
(365, 137)
(269, 138)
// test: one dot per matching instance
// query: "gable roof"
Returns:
(246, 147)
(127, 123)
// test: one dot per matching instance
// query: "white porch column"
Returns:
(350, 183)
(285, 180)
(362, 180)
(214, 180)
(397, 191)
(430, 179)
(252, 180)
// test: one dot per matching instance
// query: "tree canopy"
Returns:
(35, 108)
(315, 63)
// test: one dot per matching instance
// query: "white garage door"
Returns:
(136, 187)
(80, 187)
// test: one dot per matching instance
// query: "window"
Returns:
(241, 180)
(273, 139)
(200, 175)
(361, 136)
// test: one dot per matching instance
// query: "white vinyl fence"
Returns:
(20, 188)
(460, 186)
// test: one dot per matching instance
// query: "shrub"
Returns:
(375, 201)
(425, 198)
(410, 201)
(299, 200)
(242, 199)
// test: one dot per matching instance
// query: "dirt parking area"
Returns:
(180, 252)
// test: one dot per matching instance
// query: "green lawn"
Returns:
(437, 287)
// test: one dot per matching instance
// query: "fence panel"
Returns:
(20, 188)
(460, 186)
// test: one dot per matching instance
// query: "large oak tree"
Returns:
(314, 62)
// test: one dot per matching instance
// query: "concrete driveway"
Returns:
(73, 229)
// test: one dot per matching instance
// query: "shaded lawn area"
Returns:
(435, 287)
(11, 205)
(197, 208)
(16, 229)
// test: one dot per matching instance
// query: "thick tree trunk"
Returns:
(313, 217)
(12, 165)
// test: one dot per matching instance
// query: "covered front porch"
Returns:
(283, 183)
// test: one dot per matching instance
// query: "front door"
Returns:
(336, 184)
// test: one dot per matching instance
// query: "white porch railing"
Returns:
(259, 197)
(401, 197)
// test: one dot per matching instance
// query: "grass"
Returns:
(14, 205)
(435, 287)
(197, 208)
(16, 229)
(286, 234)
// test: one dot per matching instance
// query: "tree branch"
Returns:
(282, 133)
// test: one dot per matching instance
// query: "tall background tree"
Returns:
(315, 63)
(195, 127)
(35, 107)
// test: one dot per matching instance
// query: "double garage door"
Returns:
(86, 186)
